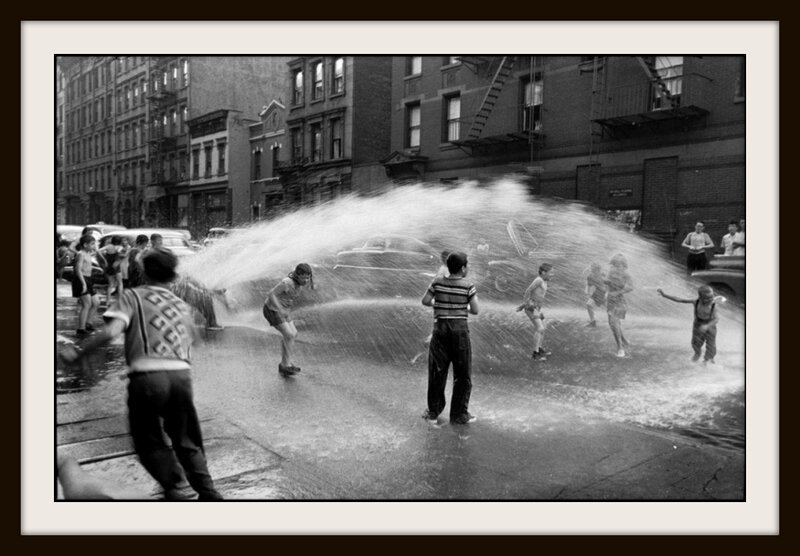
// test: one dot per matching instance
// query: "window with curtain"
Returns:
(452, 127)
(297, 81)
(532, 104)
(337, 85)
(413, 125)
(318, 82)
(336, 138)
(668, 82)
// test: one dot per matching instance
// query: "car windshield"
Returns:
(172, 242)
(406, 244)
(375, 243)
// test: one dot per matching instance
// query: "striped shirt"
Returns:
(158, 332)
(451, 296)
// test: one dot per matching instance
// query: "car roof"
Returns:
(146, 231)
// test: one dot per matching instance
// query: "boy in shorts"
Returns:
(704, 328)
(532, 305)
(277, 311)
(83, 286)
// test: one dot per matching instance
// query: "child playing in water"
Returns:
(596, 290)
(704, 329)
(532, 305)
(83, 286)
(619, 283)
(443, 271)
(277, 311)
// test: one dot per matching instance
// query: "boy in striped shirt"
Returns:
(452, 298)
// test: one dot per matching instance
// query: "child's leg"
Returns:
(711, 343)
(697, 341)
(613, 323)
(590, 310)
(438, 365)
(84, 303)
(538, 334)
(289, 333)
(120, 286)
(93, 306)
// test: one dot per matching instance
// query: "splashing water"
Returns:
(660, 390)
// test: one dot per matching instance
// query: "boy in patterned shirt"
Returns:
(452, 298)
(158, 337)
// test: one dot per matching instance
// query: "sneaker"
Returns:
(178, 494)
(430, 416)
(591, 324)
(285, 370)
(463, 419)
(621, 353)
(539, 357)
(695, 358)
(81, 332)
(210, 496)
(545, 352)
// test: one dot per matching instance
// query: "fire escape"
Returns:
(476, 138)
(160, 143)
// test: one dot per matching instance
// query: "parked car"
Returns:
(174, 240)
(69, 232)
(726, 274)
(215, 234)
(388, 260)
(100, 229)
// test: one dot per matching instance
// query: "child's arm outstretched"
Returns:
(672, 298)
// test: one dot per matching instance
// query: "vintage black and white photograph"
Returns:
(401, 277)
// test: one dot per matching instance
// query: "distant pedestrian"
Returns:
(595, 291)
(83, 284)
(156, 241)
(704, 328)
(532, 301)
(135, 268)
(739, 242)
(112, 253)
(452, 297)
(697, 242)
(278, 312)
(618, 283)
(158, 337)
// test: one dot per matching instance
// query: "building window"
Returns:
(208, 162)
(532, 104)
(318, 81)
(413, 65)
(336, 138)
(297, 80)
(136, 95)
(337, 84)
(195, 163)
(164, 79)
(144, 90)
(96, 146)
(182, 163)
(184, 117)
(175, 77)
(667, 82)
(449, 60)
(221, 158)
(412, 125)
(173, 122)
(275, 150)
(185, 73)
(127, 98)
(316, 142)
(135, 138)
(297, 144)
(452, 111)
(257, 163)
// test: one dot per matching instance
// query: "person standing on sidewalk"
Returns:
(697, 242)
(83, 285)
(158, 337)
(135, 271)
(452, 298)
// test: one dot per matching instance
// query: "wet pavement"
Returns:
(349, 426)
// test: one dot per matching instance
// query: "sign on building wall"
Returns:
(621, 192)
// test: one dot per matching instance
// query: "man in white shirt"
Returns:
(697, 242)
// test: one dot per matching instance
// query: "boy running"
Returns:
(532, 305)
(158, 337)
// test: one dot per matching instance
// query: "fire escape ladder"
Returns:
(490, 99)
(597, 110)
(649, 65)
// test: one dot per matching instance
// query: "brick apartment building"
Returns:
(658, 141)
(125, 135)
(336, 129)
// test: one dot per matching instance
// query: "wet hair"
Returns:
(456, 261)
(154, 237)
(142, 239)
(544, 267)
(85, 239)
(86, 230)
(733, 223)
(116, 240)
(159, 265)
(595, 268)
(303, 269)
(701, 223)
(619, 260)
(444, 255)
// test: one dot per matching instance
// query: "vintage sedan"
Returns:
(389, 263)
(726, 274)
(175, 240)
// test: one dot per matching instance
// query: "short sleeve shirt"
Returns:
(157, 327)
(451, 297)
(286, 292)
(536, 291)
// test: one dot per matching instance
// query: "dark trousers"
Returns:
(709, 338)
(167, 395)
(450, 343)
(696, 261)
